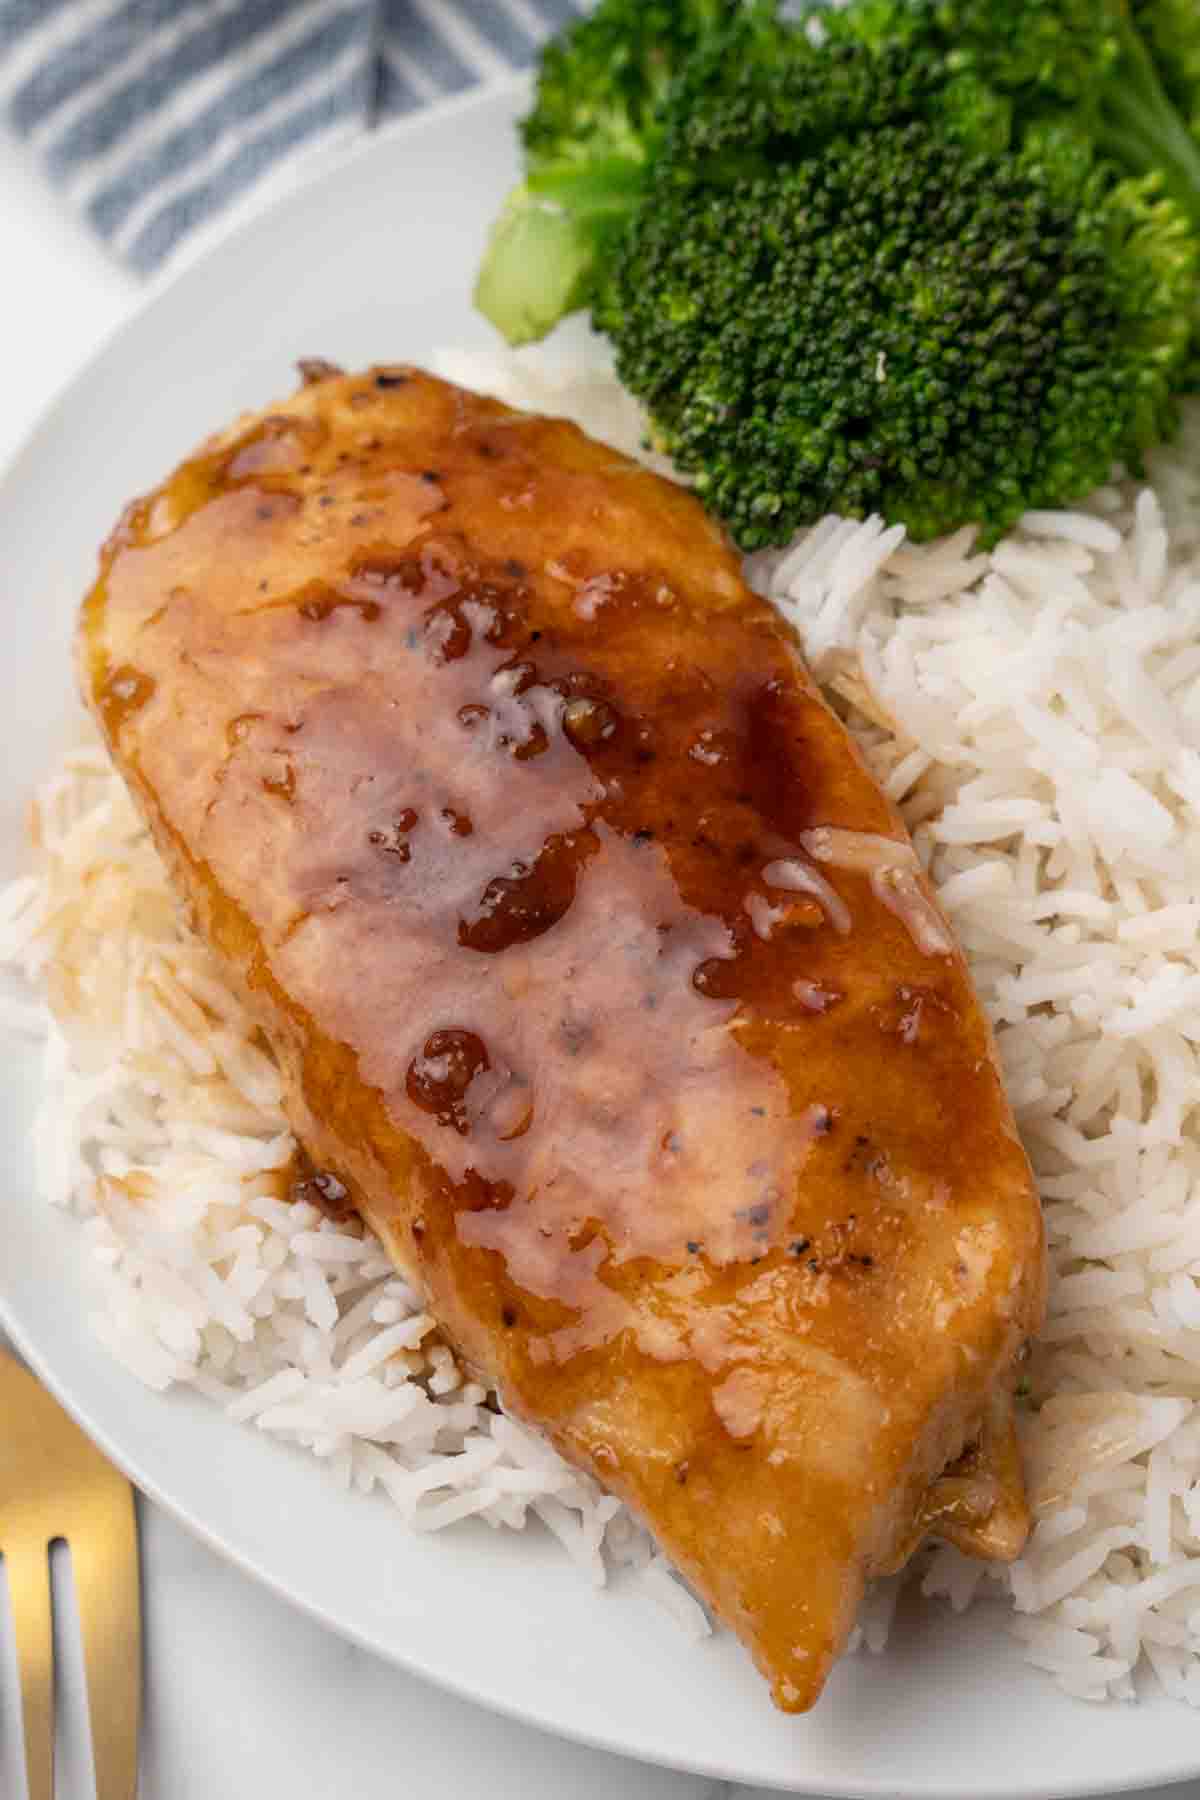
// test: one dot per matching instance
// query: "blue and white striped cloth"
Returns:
(153, 116)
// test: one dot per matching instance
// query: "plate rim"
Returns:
(207, 245)
(880, 1789)
(224, 232)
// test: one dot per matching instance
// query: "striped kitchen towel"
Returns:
(153, 116)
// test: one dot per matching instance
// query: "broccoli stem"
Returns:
(1143, 129)
(550, 240)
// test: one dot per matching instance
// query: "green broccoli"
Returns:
(1170, 28)
(1093, 59)
(900, 325)
(600, 83)
(867, 274)
(586, 144)
(936, 258)
(990, 72)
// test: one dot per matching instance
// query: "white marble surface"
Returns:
(245, 1697)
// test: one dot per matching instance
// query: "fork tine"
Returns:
(28, 1570)
(55, 1483)
(104, 1561)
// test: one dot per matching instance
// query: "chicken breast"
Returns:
(599, 970)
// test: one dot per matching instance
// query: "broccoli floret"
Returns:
(936, 258)
(898, 324)
(1016, 66)
(599, 84)
(764, 92)
(1045, 53)
(1112, 71)
(1172, 29)
(875, 268)
(586, 144)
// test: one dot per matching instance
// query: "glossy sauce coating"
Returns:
(490, 778)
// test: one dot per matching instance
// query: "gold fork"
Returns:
(54, 1484)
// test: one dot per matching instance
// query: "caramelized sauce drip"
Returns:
(518, 907)
(261, 460)
(316, 606)
(121, 694)
(318, 1187)
(440, 1078)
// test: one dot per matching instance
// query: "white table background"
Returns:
(247, 1699)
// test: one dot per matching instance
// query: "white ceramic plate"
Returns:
(373, 261)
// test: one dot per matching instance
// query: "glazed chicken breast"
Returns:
(599, 970)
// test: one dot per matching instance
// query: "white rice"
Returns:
(161, 1127)
(1036, 713)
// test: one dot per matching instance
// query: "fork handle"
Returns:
(28, 1573)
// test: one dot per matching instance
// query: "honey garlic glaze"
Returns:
(492, 781)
